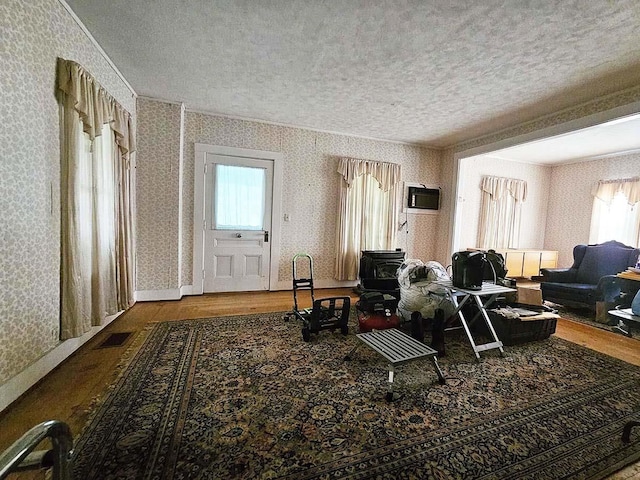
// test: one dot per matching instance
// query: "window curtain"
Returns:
(616, 211)
(97, 246)
(368, 211)
(501, 212)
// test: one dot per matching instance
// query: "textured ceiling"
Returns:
(434, 72)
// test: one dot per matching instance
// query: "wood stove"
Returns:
(378, 270)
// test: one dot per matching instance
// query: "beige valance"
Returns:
(499, 186)
(605, 190)
(387, 174)
(94, 105)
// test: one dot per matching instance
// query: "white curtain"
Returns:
(616, 211)
(95, 201)
(368, 211)
(501, 212)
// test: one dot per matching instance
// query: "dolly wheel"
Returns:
(306, 334)
(288, 315)
(392, 397)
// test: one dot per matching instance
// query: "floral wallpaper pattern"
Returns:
(34, 34)
(310, 185)
(570, 200)
(157, 177)
(310, 156)
(562, 230)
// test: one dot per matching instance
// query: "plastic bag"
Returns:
(419, 293)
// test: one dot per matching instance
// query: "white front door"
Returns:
(237, 223)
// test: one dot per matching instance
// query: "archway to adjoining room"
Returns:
(591, 146)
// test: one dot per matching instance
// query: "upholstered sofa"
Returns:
(591, 278)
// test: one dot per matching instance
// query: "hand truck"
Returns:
(327, 313)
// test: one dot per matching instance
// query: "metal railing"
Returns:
(20, 456)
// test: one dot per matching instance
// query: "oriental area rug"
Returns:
(245, 397)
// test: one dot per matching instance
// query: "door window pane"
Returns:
(239, 198)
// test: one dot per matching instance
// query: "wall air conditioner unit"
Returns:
(421, 198)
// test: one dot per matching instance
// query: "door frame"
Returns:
(201, 152)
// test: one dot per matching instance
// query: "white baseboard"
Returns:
(157, 295)
(18, 385)
(168, 294)
(328, 283)
(178, 293)
(188, 290)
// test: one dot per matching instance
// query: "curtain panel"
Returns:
(368, 211)
(606, 190)
(97, 246)
(500, 212)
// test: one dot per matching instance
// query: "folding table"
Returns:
(490, 290)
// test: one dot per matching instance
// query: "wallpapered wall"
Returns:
(570, 200)
(309, 156)
(34, 34)
(310, 188)
(534, 209)
(157, 186)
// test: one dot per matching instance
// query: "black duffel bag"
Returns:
(494, 268)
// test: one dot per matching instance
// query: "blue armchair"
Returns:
(591, 278)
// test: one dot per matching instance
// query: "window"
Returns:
(500, 212)
(616, 212)
(96, 265)
(368, 212)
(239, 197)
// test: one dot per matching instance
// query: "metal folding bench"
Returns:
(397, 348)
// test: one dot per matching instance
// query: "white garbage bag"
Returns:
(419, 293)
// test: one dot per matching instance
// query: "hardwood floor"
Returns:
(68, 392)
(603, 341)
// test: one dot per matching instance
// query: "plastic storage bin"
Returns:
(515, 331)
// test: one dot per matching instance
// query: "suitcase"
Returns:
(377, 321)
